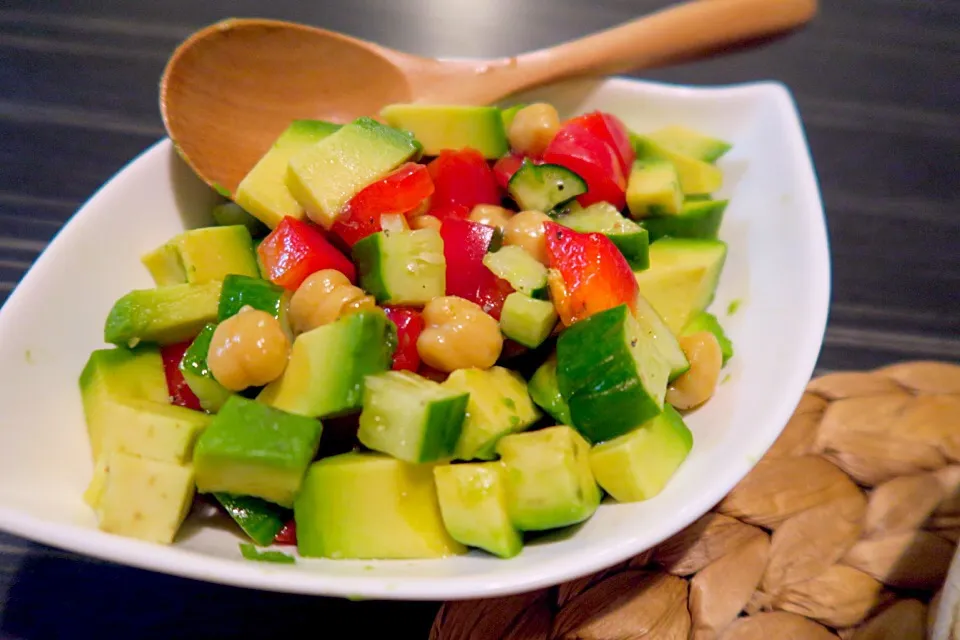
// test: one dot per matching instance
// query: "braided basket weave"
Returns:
(846, 528)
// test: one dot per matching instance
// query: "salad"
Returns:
(448, 328)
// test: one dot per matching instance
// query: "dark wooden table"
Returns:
(877, 84)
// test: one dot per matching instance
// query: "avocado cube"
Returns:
(262, 192)
(254, 450)
(127, 407)
(696, 176)
(327, 367)
(202, 255)
(473, 503)
(230, 213)
(324, 176)
(499, 404)
(410, 417)
(370, 506)
(653, 189)
(637, 466)
(690, 143)
(549, 482)
(165, 315)
(439, 127)
(140, 498)
(612, 373)
(696, 219)
(682, 277)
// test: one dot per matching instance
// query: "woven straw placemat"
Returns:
(846, 528)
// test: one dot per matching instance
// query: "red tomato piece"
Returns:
(402, 191)
(296, 249)
(287, 535)
(464, 245)
(409, 326)
(579, 150)
(505, 167)
(611, 130)
(180, 393)
(595, 274)
(461, 178)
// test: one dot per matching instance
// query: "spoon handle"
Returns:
(675, 33)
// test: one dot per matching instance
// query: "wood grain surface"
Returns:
(877, 85)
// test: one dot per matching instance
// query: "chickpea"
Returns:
(695, 387)
(458, 335)
(491, 215)
(425, 222)
(249, 349)
(323, 297)
(526, 231)
(533, 128)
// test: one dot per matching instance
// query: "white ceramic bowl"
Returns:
(778, 268)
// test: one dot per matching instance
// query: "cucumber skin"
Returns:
(197, 375)
(529, 177)
(366, 254)
(699, 219)
(239, 291)
(597, 375)
(545, 391)
(450, 413)
(635, 247)
(259, 519)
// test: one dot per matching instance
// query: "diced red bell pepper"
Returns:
(579, 150)
(409, 326)
(296, 249)
(401, 191)
(505, 167)
(287, 535)
(464, 245)
(461, 179)
(180, 393)
(595, 274)
(611, 130)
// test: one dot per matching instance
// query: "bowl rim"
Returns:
(173, 560)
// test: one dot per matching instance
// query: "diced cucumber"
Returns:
(230, 213)
(165, 315)
(653, 189)
(404, 267)
(327, 366)
(611, 373)
(240, 291)
(549, 481)
(603, 217)
(696, 176)
(197, 375)
(259, 519)
(524, 272)
(545, 391)
(542, 187)
(690, 143)
(526, 320)
(706, 321)
(661, 336)
(251, 449)
(682, 278)
(697, 219)
(499, 404)
(638, 465)
(473, 503)
(411, 417)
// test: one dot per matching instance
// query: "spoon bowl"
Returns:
(231, 88)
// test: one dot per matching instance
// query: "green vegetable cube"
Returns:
(255, 450)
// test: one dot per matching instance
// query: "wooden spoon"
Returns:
(231, 88)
